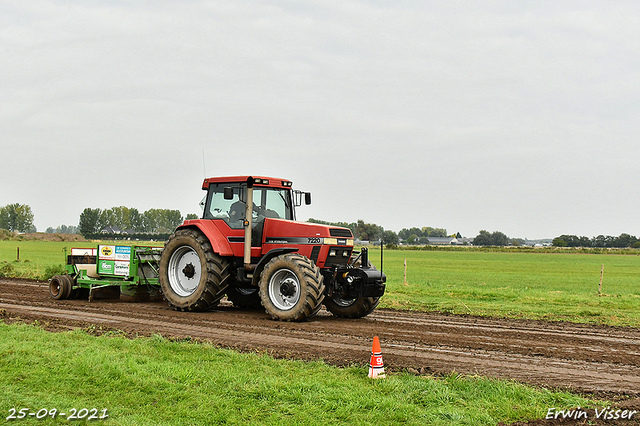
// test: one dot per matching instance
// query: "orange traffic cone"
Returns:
(376, 366)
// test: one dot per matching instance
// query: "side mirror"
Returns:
(228, 193)
(307, 198)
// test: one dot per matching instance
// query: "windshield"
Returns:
(267, 202)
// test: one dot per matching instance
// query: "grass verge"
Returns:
(155, 381)
(533, 285)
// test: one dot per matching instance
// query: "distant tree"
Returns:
(161, 220)
(64, 229)
(482, 239)
(107, 218)
(389, 237)
(496, 238)
(584, 242)
(599, 241)
(499, 239)
(191, 216)
(406, 233)
(136, 221)
(426, 231)
(559, 242)
(367, 231)
(573, 241)
(89, 222)
(624, 240)
(17, 217)
(518, 241)
(123, 217)
(436, 232)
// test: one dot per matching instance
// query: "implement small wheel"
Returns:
(291, 288)
(192, 276)
(60, 287)
(351, 308)
(74, 293)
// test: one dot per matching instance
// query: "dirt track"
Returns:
(589, 359)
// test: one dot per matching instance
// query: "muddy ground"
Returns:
(598, 361)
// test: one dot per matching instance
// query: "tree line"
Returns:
(17, 218)
(371, 232)
(601, 241)
(62, 229)
(496, 238)
(160, 221)
(364, 231)
(413, 236)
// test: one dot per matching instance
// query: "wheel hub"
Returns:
(284, 289)
(185, 271)
(189, 271)
(288, 288)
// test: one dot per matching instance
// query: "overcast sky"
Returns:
(516, 116)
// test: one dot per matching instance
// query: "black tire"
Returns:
(244, 297)
(75, 292)
(60, 287)
(291, 288)
(192, 277)
(351, 308)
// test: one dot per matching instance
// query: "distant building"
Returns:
(112, 230)
(443, 241)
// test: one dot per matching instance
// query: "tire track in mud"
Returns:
(593, 359)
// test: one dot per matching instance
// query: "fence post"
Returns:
(601, 276)
(405, 271)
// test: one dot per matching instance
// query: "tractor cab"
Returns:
(228, 201)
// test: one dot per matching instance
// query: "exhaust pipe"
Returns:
(248, 218)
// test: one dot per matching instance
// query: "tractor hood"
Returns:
(279, 231)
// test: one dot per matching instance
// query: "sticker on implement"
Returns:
(123, 253)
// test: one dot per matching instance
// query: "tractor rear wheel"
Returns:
(192, 276)
(244, 297)
(60, 287)
(351, 308)
(291, 288)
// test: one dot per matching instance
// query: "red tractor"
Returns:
(249, 247)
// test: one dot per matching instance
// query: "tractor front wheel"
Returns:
(192, 276)
(351, 308)
(291, 288)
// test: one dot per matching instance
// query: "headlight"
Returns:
(332, 253)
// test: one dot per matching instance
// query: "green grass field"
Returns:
(153, 381)
(533, 285)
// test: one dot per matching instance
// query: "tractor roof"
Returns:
(255, 180)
